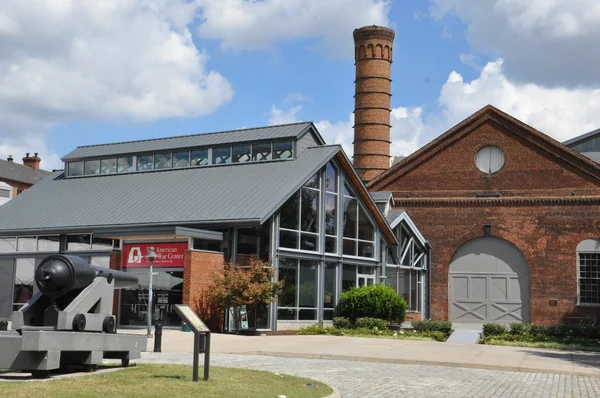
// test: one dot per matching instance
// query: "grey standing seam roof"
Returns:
(21, 173)
(190, 141)
(581, 138)
(205, 195)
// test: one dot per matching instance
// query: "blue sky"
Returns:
(134, 70)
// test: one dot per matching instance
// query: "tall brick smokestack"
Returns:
(373, 56)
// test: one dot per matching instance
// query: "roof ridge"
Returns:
(194, 135)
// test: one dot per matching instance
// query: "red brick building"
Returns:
(512, 218)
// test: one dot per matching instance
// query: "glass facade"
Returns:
(298, 301)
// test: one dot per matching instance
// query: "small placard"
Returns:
(192, 320)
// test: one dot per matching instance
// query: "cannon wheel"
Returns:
(124, 363)
(40, 374)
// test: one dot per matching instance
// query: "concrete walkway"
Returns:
(394, 351)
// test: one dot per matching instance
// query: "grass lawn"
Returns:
(170, 381)
(539, 344)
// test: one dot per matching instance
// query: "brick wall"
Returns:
(549, 203)
(198, 269)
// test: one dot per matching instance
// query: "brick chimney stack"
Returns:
(373, 56)
(32, 161)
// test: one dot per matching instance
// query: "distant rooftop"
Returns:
(294, 130)
(20, 173)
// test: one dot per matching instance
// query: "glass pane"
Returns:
(330, 244)
(414, 302)
(145, 162)
(125, 165)
(331, 214)
(221, 155)
(108, 166)
(247, 244)
(284, 314)
(282, 150)
(288, 272)
(4, 193)
(349, 247)
(92, 167)
(261, 151)
(347, 190)
(288, 239)
(366, 249)
(329, 288)
(308, 284)
(307, 315)
(75, 169)
(181, 159)
(313, 182)
(162, 161)
(8, 245)
(24, 272)
(330, 178)
(102, 244)
(310, 210)
(264, 241)
(350, 221)
(289, 213)
(404, 285)
(27, 244)
(328, 315)
(78, 242)
(365, 228)
(241, 154)
(308, 242)
(48, 243)
(200, 157)
(348, 277)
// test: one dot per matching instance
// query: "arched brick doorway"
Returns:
(488, 281)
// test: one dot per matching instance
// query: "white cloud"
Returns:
(560, 113)
(548, 42)
(279, 116)
(254, 25)
(111, 60)
(296, 97)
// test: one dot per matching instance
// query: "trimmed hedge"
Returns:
(494, 329)
(444, 327)
(541, 332)
(341, 323)
(372, 323)
(376, 301)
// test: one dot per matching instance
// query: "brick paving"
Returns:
(369, 379)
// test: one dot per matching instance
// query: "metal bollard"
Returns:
(3, 326)
(157, 337)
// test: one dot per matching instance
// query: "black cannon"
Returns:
(70, 320)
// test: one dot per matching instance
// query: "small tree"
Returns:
(247, 285)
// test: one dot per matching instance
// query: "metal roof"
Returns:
(581, 138)
(20, 173)
(241, 193)
(190, 141)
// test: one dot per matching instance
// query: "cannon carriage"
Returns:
(69, 322)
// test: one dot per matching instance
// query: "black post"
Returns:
(206, 355)
(157, 337)
(3, 326)
(196, 349)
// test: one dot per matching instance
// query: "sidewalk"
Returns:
(519, 359)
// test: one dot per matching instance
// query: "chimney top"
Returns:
(32, 161)
(9, 158)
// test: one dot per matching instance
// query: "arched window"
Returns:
(588, 265)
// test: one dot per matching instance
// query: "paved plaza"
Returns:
(368, 379)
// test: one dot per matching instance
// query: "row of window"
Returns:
(185, 158)
(51, 243)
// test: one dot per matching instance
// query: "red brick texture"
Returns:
(373, 56)
(115, 263)
(413, 316)
(199, 267)
(550, 201)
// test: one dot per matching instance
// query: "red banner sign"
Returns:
(168, 254)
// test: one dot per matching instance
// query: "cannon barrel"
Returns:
(59, 274)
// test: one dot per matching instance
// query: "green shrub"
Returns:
(342, 323)
(377, 301)
(540, 330)
(444, 327)
(494, 329)
(519, 328)
(316, 329)
(372, 323)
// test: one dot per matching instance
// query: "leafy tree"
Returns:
(248, 285)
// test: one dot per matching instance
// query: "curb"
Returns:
(418, 362)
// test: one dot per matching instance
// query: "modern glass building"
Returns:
(203, 200)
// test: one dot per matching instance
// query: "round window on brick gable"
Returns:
(489, 159)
